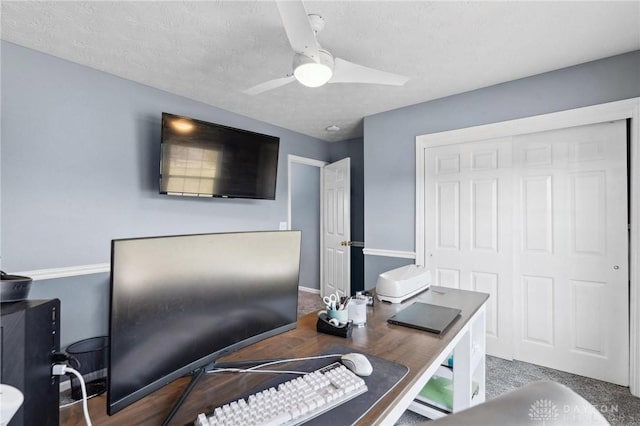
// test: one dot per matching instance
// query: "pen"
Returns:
(346, 303)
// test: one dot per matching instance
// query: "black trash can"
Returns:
(90, 358)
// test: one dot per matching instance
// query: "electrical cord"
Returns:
(62, 369)
(280, 361)
(247, 370)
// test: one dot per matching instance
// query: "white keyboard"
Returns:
(293, 403)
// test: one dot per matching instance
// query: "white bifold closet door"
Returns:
(572, 278)
(468, 188)
(539, 222)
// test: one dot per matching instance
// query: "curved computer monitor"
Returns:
(179, 302)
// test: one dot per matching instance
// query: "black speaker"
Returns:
(30, 335)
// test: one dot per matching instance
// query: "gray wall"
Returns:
(305, 216)
(79, 167)
(389, 138)
(84, 302)
(80, 154)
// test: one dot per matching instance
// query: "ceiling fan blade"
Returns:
(348, 72)
(296, 24)
(269, 85)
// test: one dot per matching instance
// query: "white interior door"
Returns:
(468, 228)
(336, 231)
(570, 268)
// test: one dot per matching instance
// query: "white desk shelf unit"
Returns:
(468, 370)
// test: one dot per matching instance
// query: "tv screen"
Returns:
(177, 303)
(210, 160)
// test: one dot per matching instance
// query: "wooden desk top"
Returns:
(413, 348)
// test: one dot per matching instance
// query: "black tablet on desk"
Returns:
(427, 317)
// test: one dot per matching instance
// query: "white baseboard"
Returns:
(65, 381)
(65, 385)
(309, 289)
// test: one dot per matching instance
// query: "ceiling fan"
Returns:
(314, 66)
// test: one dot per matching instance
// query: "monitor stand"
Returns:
(197, 375)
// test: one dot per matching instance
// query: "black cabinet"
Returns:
(30, 334)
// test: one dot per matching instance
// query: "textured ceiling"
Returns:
(212, 51)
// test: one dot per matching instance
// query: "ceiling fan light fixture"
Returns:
(312, 72)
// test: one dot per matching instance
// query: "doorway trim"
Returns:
(291, 159)
(619, 110)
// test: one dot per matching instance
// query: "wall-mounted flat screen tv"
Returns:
(204, 159)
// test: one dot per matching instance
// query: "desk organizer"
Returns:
(324, 326)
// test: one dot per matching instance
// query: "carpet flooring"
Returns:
(308, 302)
(616, 403)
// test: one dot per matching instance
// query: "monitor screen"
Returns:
(179, 302)
(204, 159)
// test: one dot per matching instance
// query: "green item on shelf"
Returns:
(439, 392)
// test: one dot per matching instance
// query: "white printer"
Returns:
(398, 285)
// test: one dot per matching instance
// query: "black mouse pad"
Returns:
(385, 375)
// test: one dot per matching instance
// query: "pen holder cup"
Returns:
(342, 315)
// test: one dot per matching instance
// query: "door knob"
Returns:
(616, 267)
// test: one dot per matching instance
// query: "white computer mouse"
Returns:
(357, 363)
